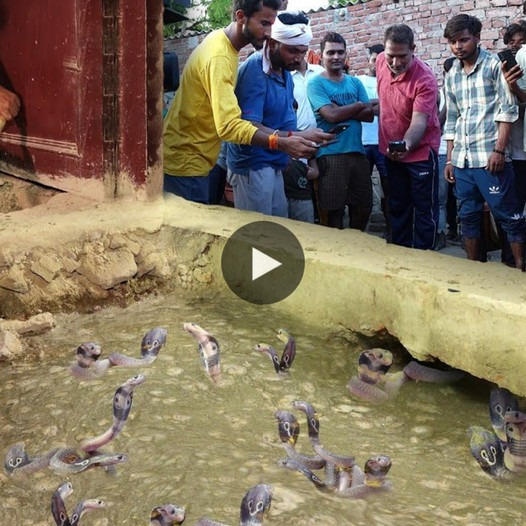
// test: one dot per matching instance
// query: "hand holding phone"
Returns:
(397, 146)
(339, 128)
(507, 56)
(326, 143)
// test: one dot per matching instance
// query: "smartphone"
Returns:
(326, 143)
(339, 128)
(507, 56)
(397, 146)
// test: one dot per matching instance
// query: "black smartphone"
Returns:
(326, 143)
(339, 128)
(397, 146)
(507, 56)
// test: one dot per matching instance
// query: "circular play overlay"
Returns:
(262, 262)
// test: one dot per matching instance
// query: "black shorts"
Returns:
(344, 180)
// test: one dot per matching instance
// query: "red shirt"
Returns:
(414, 90)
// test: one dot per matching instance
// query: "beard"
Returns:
(275, 59)
(258, 44)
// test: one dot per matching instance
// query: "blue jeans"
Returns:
(194, 188)
(442, 194)
(376, 158)
(301, 210)
(260, 191)
(413, 202)
(476, 185)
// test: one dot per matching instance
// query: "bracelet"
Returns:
(500, 152)
(273, 140)
(448, 162)
(290, 133)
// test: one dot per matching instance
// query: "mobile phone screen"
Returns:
(326, 143)
(507, 56)
(397, 146)
(338, 128)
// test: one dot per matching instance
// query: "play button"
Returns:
(262, 262)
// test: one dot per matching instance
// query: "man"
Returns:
(299, 173)
(205, 110)
(408, 94)
(514, 37)
(480, 112)
(339, 99)
(447, 203)
(265, 94)
(370, 129)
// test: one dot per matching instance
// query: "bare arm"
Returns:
(449, 171)
(443, 112)
(413, 135)
(297, 145)
(312, 134)
(496, 160)
(313, 172)
(361, 111)
(375, 103)
(416, 130)
(366, 115)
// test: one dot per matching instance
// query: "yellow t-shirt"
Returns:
(205, 110)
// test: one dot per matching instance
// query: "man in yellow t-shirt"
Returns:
(205, 110)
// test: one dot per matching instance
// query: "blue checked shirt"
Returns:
(476, 102)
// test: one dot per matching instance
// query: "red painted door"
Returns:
(86, 72)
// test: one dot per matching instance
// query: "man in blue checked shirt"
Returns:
(480, 111)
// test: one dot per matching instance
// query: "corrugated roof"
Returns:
(348, 3)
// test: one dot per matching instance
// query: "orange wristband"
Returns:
(273, 141)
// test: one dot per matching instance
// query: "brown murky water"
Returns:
(195, 444)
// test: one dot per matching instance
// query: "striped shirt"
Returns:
(476, 101)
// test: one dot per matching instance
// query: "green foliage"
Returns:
(217, 13)
(170, 30)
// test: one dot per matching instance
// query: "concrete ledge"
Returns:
(469, 315)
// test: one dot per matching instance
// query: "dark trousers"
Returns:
(451, 208)
(519, 167)
(216, 186)
(413, 201)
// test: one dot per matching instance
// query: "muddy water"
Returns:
(195, 444)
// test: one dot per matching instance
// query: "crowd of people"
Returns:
(300, 140)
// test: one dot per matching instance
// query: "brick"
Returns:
(491, 34)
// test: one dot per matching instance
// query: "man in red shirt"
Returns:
(408, 92)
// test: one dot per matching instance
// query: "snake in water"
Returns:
(255, 504)
(68, 460)
(58, 507)
(374, 382)
(89, 365)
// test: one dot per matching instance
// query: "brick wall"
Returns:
(364, 24)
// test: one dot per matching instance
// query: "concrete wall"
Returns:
(69, 254)
(363, 24)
